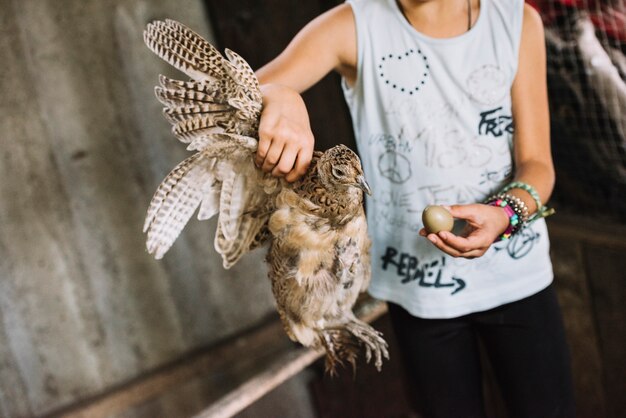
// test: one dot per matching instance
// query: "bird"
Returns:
(318, 257)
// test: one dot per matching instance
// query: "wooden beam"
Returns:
(235, 377)
(281, 369)
(590, 231)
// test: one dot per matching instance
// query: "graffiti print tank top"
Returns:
(434, 126)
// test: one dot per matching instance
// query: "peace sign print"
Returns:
(394, 167)
(406, 72)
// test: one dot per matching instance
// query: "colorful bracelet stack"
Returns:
(513, 218)
(516, 210)
(542, 211)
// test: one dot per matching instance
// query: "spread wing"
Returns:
(216, 114)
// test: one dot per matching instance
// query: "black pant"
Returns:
(525, 343)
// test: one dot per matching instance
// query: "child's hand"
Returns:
(285, 137)
(485, 224)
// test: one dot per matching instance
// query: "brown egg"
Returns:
(437, 218)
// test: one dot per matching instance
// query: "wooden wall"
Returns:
(83, 307)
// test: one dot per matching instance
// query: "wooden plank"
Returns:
(606, 269)
(215, 360)
(572, 287)
(280, 370)
(367, 393)
(233, 374)
(593, 231)
(592, 250)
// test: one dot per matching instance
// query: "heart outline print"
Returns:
(393, 70)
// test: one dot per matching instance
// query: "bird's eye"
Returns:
(337, 172)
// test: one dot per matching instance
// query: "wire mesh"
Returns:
(586, 47)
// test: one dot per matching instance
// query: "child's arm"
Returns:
(533, 161)
(285, 138)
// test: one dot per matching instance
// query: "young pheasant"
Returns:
(319, 248)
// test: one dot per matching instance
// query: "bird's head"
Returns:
(339, 167)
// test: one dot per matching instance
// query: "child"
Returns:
(449, 104)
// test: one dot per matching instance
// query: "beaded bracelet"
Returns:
(513, 218)
(524, 186)
(516, 210)
(542, 211)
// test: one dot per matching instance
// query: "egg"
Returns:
(437, 218)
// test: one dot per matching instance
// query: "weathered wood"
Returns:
(229, 357)
(572, 285)
(281, 369)
(588, 257)
(587, 230)
(229, 376)
(83, 147)
(606, 270)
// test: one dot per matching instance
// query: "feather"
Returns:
(232, 201)
(210, 204)
(207, 51)
(222, 144)
(189, 53)
(210, 91)
(243, 75)
(174, 202)
(174, 99)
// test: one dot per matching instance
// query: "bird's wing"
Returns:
(217, 114)
(175, 200)
(223, 95)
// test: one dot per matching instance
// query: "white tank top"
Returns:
(433, 124)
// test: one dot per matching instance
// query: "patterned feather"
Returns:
(319, 249)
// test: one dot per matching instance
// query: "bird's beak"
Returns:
(362, 184)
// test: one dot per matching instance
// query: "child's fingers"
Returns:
(457, 246)
(463, 244)
(266, 135)
(273, 156)
(286, 162)
(261, 152)
(439, 243)
(303, 160)
(466, 212)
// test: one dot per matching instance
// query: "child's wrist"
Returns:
(515, 210)
(271, 90)
(541, 211)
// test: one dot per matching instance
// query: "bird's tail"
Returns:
(344, 344)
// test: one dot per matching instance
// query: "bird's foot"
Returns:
(339, 347)
(372, 340)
